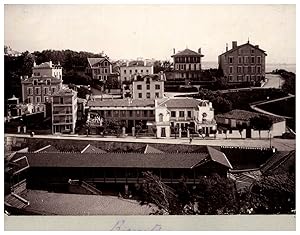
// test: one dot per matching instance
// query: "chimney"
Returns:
(256, 46)
(199, 50)
(50, 63)
(234, 44)
(145, 62)
(226, 47)
(173, 51)
(127, 63)
(34, 63)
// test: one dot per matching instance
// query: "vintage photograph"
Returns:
(149, 109)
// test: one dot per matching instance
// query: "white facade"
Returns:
(128, 71)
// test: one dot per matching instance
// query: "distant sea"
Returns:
(269, 67)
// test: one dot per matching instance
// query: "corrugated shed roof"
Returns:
(117, 160)
(218, 156)
(47, 149)
(121, 103)
(150, 149)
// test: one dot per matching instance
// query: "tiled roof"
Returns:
(244, 115)
(47, 149)
(187, 52)
(238, 47)
(18, 163)
(182, 102)
(64, 92)
(93, 61)
(43, 65)
(218, 156)
(92, 149)
(118, 160)
(280, 162)
(149, 149)
(42, 79)
(121, 103)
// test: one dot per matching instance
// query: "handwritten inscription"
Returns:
(121, 225)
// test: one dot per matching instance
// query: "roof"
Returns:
(18, 164)
(280, 162)
(80, 100)
(64, 92)
(175, 102)
(121, 103)
(92, 149)
(187, 52)
(47, 149)
(149, 149)
(218, 156)
(125, 160)
(42, 79)
(244, 115)
(137, 63)
(238, 47)
(43, 65)
(93, 61)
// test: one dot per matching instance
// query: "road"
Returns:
(273, 81)
(280, 144)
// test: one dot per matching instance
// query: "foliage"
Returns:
(289, 85)
(261, 122)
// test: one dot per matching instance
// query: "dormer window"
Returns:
(35, 82)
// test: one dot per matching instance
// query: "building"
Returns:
(45, 80)
(81, 107)
(243, 64)
(179, 115)
(187, 66)
(99, 68)
(64, 111)
(128, 111)
(145, 87)
(241, 118)
(137, 67)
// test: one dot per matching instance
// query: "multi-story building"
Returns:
(138, 67)
(45, 80)
(244, 63)
(178, 114)
(64, 111)
(99, 68)
(130, 112)
(145, 87)
(187, 65)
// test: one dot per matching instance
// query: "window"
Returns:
(230, 60)
(45, 98)
(147, 71)
(258, 60)
(130, 113)
(108, 113)
(148, 95)
(258, 77)
(137, 113)
(230, 69)
(38, 99)
(252, 51)
(29, 99)
(139, 87)
(240, 78)
(239, 69)
(116, 113)
(53, 89)
(142, 71)
(136, 71)
(173, 113)
(140, 95)
(105, 70)
(252, 59)
(124, 71)
(189, 114)
(252, 77)
(35, 82)
(156, 95)
(246, 60)
(29, 90)
(240, 59)
(37, 91)
(181, 113)
(246, 69)
(48, 82)
(61, 100)
(258, 69)
(145, 113)
(161, 117)
(46, 90)
(157, 87)
(252, 69)
(130, 71)
(230, 78)
(148, 86)
(247, 78)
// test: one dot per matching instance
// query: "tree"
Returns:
(261, 122)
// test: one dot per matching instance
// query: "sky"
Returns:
(152, 31)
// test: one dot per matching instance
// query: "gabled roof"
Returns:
(43, 65)
(175, 102)
(150, 149)
(187, 52)
(92, 149)
(93, 61)
(238, 47)
(121, 103)
(47, 149)
(239, 114)
(218, 156)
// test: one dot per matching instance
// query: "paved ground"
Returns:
(280, 144)
(274, 81)
(77, 204)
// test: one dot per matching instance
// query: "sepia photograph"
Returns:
(149, 110)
